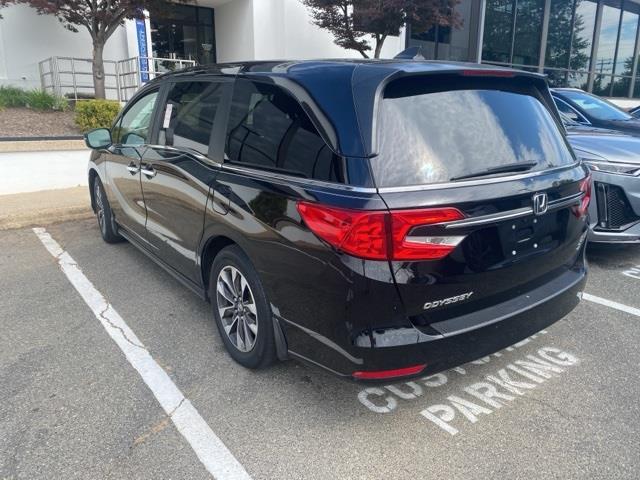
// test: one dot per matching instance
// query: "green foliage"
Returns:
(14, 97)
(92, 114)
(41, 100)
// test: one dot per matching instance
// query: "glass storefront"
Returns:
(184, 32)
(588, 44)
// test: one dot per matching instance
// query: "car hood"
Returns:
(612, 146)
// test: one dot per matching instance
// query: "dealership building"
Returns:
(579, 43)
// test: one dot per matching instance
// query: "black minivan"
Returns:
(377, 218)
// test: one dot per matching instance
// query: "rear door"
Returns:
(178, 169)
(131, 137)
(498, 194)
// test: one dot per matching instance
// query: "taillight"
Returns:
(585, 187)
(386, 374)
(381, 235)
(407, 247)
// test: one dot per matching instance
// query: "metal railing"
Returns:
(73, 77)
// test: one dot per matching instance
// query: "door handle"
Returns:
(148, 171)
(133, 168)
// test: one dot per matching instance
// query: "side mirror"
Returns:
(98, 138)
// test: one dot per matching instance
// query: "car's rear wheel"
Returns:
(241, 310)
(106, 222)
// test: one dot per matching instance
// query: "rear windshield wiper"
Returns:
(510, 167)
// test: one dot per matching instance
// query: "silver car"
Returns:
(614, 160)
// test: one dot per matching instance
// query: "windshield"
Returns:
(596, 107)
(442, 136)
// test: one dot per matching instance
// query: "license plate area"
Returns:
(528, 235)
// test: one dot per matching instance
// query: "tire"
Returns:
(246, 330)
(104, 215)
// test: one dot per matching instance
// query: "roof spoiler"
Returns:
(411, 53)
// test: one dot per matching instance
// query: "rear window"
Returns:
(429, 137)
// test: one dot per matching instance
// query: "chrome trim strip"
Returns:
(479, 181)
(304, 182)
(511, 214)
(488, 219)
(566, 201)
(192, 152)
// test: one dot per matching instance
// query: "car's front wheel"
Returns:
(241, 310)
(106, 222)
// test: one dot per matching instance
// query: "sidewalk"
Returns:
(44, 207)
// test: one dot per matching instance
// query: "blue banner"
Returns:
(143, 52)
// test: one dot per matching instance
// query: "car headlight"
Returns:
(609, 167)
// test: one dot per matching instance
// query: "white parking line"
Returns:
(211, 451)
(612, 304)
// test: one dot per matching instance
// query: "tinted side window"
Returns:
(189, 114)
(569, 111)
(268, 129)
(135, 125)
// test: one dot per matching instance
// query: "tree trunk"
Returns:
(98, 69)
(379, 43)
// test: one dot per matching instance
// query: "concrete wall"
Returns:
(234, 31)
(26, 38)
(278, 29)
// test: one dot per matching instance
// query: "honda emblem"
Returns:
(540, 203)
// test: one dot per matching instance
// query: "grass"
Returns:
(14, 97)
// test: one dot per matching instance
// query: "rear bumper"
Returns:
(467, 339)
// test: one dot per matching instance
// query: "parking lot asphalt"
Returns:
(562, 404)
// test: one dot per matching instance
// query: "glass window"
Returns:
(135, 125)
(189, 114)
(621, 86)
(578, 80)
(596, 107)
(584, 23)
(437, 136)
(607, 39)
(498, 31)
(569, 111)
(602, 85)
(556, 78)
(526, 42)
(559, 34)
(268, 129)
(628, 29)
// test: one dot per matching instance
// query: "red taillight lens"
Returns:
(379, 235)
(385, 374)
(356, 232)
(422, 248)
(585, 187)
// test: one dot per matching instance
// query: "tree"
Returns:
(100, 17)
(351, 20)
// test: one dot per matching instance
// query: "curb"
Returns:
(45, 207)
(40, 145)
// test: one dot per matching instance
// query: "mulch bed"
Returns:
(23, 122)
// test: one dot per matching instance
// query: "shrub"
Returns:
(12, 97)
(41, 100)
(92, 114)
(15, 97)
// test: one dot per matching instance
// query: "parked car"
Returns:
(377, 218)
(635, 111)
(588, 109)
(614, 159)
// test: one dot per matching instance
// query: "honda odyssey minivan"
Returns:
(379, 219)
